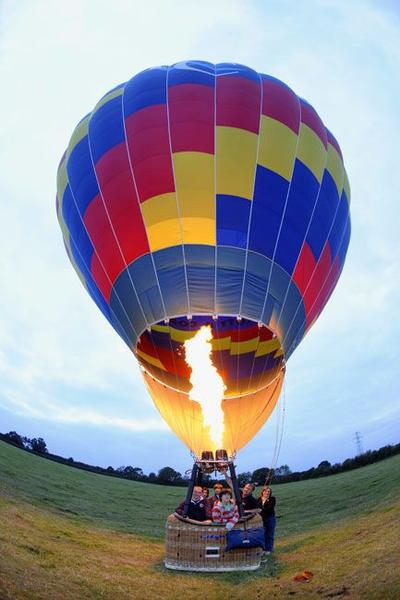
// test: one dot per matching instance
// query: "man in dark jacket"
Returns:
(248, 500)
(197, 510)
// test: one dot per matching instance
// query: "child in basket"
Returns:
(225, 511)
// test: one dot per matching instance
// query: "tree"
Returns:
(323, 465)
(168, 475)
(133, 473)
(15, 439)
(206, 479)
(244, 478)
(348, 464)
(282, 471)
(38, 445)
(261, 475)
(324, 468)
(129, 472)
(138, 473)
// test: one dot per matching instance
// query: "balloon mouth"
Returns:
(248, 358)
(247, 354)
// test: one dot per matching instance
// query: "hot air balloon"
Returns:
(206, 198)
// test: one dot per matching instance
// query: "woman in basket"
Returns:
(225, 511)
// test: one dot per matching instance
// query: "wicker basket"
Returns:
(191, 546)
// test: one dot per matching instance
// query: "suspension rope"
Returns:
(280, 422)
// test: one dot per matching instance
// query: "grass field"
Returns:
(70, 534)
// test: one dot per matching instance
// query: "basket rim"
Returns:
(245, 519)
(175, 567)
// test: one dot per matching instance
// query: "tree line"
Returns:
(169, 476)
(285, 475)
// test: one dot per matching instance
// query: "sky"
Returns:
(65, 374)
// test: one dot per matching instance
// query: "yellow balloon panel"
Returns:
(243, 416)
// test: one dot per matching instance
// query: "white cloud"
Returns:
(56, 61)
(60, 413)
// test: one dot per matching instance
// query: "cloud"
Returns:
(60, 414)
(56, 62)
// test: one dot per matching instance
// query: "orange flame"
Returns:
(207, 384)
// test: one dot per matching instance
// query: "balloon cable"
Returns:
(279, 430)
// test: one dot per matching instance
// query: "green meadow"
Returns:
(71, 534)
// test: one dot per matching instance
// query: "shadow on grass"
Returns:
(270, 568)
(295, 545)
(289, 548)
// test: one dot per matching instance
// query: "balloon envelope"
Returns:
(206, 194)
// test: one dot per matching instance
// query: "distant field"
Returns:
(67, 533)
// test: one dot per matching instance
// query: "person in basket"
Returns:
(197, 509)
(211, 500)
(225, 511)
(248, 500)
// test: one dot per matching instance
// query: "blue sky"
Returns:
(64, 373)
